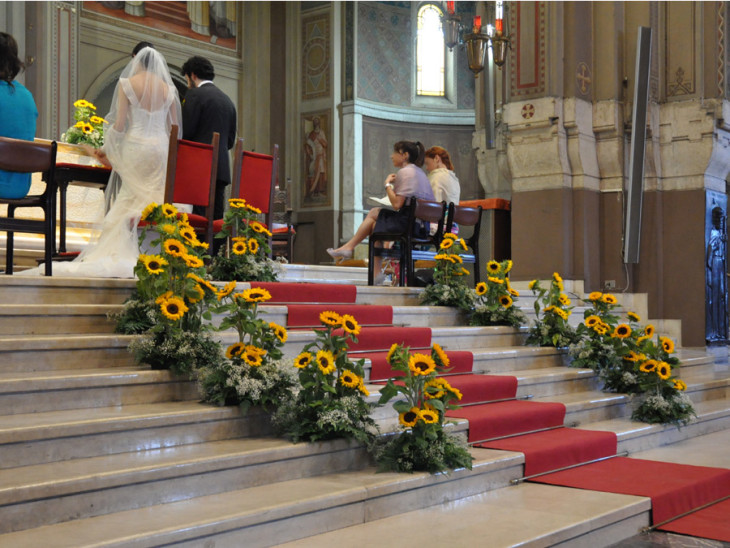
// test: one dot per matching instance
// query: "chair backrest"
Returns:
(26, 156)
(254, 178)
(192, 169)
(432, 212)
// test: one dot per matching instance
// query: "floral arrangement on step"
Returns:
(246, 259)
(494, 300)
(88, 129)
(172, 296)
(330, 400)
(253, 373)
(423, 444)
(552, 310)
(449, 287)
(632, 359)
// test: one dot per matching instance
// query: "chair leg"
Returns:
(371, 257)
(9, 253)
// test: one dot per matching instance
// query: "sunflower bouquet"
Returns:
(172, 296)
(247, 258)
(330, 402)
(494, 300)
(552, 310)
(88, 129)
(449, 286)
(253, 372)
(424, 398)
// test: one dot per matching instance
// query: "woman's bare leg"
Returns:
(365, 230)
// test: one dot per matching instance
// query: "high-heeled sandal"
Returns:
(339, 255)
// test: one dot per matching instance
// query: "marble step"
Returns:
(40, 290)
(105, 484)
(273, 513)
(37, 438)
(36, 392)
(55, 319)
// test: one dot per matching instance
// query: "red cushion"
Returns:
(256, 180)
(284, 230)
(192, 173)
(197, 221)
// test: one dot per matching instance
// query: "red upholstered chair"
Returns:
(29, 157)
(191, 174)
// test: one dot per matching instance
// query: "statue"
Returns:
(716, 279)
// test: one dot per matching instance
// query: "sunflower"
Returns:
(199, 294)
(507, 266)
(349, 379)
(253, 208)
(455, 391)
(481, 288)
(434, 389)
(188, 234)
(595, 296)
(409, 418)
(361, 388)
(154, 264)
(557, 278)
(252, 355)
(87, 128)
(235, 350)
(393, 348)
(562, 313)
(97, 120)
(601, 328)
(227, 290)
(303, 360)
(441, 355)
(166, 295)
(633, 316)
(174, 247)
(667, 344)
(513, 292)
(648, 366)
(564, 299)
(532, 284)
(147, 211)
(192, 261)
(592, 320)
(173, 308)
(649, 330)
(256, 295)
(446, 243)
(456, 259)
(253, 245)
(493, 267)
(680, 385)
(631, 356)
(450, 235)
(609, 299)
(421, 364)
(505, 301)
(237, 202)
(664, 370)
(239, 248)
(167, 228)
(325, 361)
(498, 281)
(328, 317)
(622, 331)
(428, 416)
(350, 325)
(194, 276)
(279, 332)
(83, 103)
(169, 211)
(258, 227)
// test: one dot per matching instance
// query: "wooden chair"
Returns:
(29, 157)
(464, 217)
(192, 169)
(284, 234)
(404, 249)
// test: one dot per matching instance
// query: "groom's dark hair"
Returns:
(139, 47)
(200, 67)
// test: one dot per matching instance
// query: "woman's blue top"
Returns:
(18, 115)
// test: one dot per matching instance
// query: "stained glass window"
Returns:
(430, 52)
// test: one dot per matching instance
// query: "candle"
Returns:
(450, 6)
(498, 26)
(477, 24)
(498, 18)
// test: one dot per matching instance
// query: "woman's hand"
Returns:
(390, 179)
(98, 154)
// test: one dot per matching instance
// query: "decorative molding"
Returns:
(413, 115)
(721, 49)
(528, 55)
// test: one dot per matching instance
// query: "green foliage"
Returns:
(248, 257)
(494, 299)
(552, 310)
(88, 128)
(180, 351)
(449, 287)
(423, 400)
(329, 403)
(135, 317)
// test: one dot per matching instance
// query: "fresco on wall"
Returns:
(315, 56)
(316, 156)
(211, 22)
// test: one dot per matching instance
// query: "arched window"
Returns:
(430, 52)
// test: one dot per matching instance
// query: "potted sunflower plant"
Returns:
(552, 311)
(449, 287)
(88, 129)
(494, 300)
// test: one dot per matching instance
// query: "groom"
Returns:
(207, 109)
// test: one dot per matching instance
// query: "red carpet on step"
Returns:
(481, 388)
(553, 449)
(713, 522)
(382, 338)
(492, 420)
(307, 315)
(673, 488)
(460, 362)
(308, 293)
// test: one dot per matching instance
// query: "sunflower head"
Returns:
(409, 418)
(227, 290)
(680, 385)
(235, 350)
(633, 316)
(667, 344)
(564, 299)
(421, 364)
(481, 288)
(609, 299)
(349, 379)
(446, 243)
(279, 332)
(505, 301)
(392, 350)
(532, 284)
(326, 361)
(253, 355)
(648, 366)
(147, 211)
(664, 370)
(239, 248)
(256, 295)
(428, 416)
(493, 267)
(595, 296)
(440, 356)
(622, 331)
(450, 236)
(192, 261)
(173, 308)
(174, 247)
(253, 245)
(649, 330)
(303, 360)
(154, 263)
(330, 318)
(498, 281)
(169, 211)
(592, 320)
(350, 325)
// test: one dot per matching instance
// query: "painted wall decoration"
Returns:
(527, 56)
(316, 157)
(315, 56)
(213, 22)
(681, 60)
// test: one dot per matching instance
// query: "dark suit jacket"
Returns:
(206, 110)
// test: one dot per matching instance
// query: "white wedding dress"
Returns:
(136, 142)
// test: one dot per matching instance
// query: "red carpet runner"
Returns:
(673, 488)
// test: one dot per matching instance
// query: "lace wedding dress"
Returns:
(136, 137)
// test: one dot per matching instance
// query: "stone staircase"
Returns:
(98, 451)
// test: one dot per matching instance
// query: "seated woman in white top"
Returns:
(444, 183)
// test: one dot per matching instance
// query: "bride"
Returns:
(136, 136)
